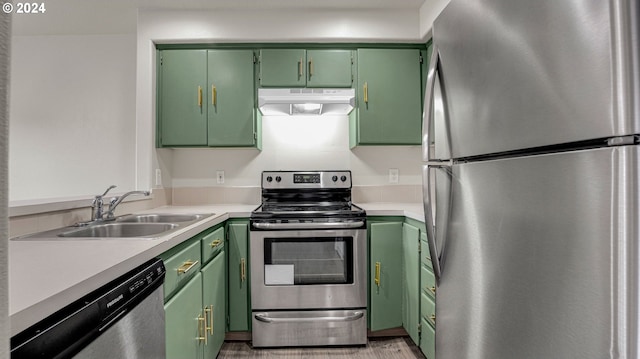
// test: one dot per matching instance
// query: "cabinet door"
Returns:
(239, 305)
(182, 108)
(386, 288)
(389, 97)
(283, 68)
(230, 98)
(411, 281)
(213, 300)
(183, 328)
(329, 68)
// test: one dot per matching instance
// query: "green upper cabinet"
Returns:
(182, 83)
(230, 98)
(389, 110)
(206, 98)
(283, 68)
(329, 68)
(305, 68)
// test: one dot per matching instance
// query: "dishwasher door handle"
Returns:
(310, 225)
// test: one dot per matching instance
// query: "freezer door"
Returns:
(541, 258)
(524, 74)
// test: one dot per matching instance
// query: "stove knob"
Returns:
(343, 178)
(269, 178)
(278, 179)
(334, 178)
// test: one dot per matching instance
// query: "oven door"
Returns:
(308, 269)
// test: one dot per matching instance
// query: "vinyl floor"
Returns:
(385, 348)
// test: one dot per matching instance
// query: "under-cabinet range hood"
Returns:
(306, 101)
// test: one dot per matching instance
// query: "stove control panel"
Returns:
(306, 179)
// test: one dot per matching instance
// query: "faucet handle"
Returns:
(108, 189)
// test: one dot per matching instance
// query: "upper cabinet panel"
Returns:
(305, 68)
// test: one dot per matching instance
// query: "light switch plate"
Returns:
(220, 177)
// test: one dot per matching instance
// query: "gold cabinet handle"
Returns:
(202, 329)
(208, 319)
(377, 276)
(310, 67)
(199, 96)
(211, 319)
(243, 266)
(433, 318)
(365, 89)
(214, 95)
(433, 290)
(186, 266)
(300, 67)
(215, 243)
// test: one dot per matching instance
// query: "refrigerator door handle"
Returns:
(427, 115)
(428, 213)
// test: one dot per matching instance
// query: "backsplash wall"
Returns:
(295, 143)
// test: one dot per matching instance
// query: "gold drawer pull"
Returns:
(202, 329)
(433, 289)
(310, 67)
(214, 95)
(215, 243)
(377, 276)
(186, 266)
(433, 318)
(300, 64)
(200, 96)
(243, 270)
(208, 322)
(366, 92)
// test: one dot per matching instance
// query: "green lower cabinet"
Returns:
(238, 278)
(385, 266)
(214, 302)
(411, 281)
(428, 339)
(183, 318)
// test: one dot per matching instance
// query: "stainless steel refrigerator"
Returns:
(532, 165)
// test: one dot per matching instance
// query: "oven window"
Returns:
(308, 261)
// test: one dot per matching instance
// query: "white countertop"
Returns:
(45, 275)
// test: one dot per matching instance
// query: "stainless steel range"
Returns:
(308, 261)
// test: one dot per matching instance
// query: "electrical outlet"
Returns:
(393, 175)
(220, 177)
(158, 177)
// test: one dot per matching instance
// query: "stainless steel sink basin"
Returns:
(142, 226)
(120, 230)
(161, 218)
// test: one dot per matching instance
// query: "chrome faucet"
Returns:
(97, 211)
(115, 201)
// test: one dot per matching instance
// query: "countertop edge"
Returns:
(28, 314)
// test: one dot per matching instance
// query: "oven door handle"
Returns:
(310, 225)
(264, 317)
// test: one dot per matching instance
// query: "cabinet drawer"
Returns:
(428, 309)
(212, 244)
(425, 257)
(181, 267)
(428, 281)
(428, 340)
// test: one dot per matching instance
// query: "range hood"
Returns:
(306, 101)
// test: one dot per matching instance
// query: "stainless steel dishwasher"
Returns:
(123, 319)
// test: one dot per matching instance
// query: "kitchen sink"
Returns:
(141, 226)
(161, 218)
(119, 230)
